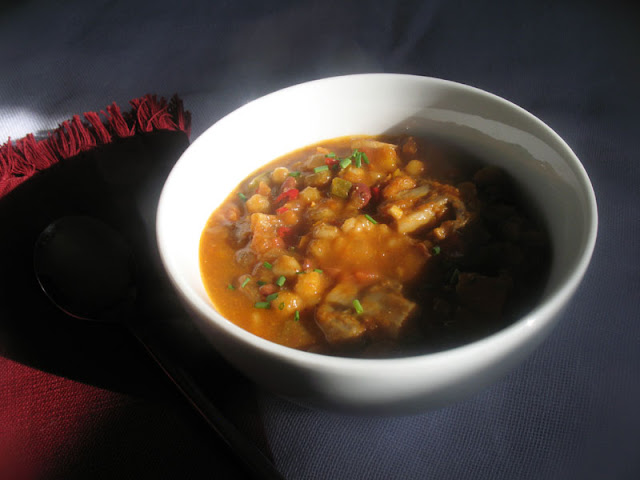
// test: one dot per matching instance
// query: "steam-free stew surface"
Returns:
(373, 246)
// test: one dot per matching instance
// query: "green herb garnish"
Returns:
(296, 316)
(345, 162)
(242, 196)
(370, 218)
(317, 270)
(294, 174)
(358, 306)
(262, 304)
(272, 297)
(281, 280)
(281, 306)
(436, 250)
(244, 283)
(267, 265)
(321, 168)
(261, 282)
(358, 157)
(231, 287)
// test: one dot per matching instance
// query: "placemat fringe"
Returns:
(21, 159)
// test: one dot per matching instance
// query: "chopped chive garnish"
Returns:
(261, 282)
(317, 270)
(364, 157)
(272, 297)
(370, 218)
(330, 155)
(244, 283)
(231, 287)
(299, 272)
(436, 250)
(358, 161)
(294, 174)
(267, 265)
(242, 196)
(296, 316)
(281, 306)
(345, 162)
(262, 305)
(281, 280)
(321, 168)
(358, 306)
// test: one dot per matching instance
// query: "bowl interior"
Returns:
(493, 129)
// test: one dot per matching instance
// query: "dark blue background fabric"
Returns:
(571, 410)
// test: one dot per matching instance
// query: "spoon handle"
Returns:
(249, 454)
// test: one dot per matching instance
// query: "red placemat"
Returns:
(81, 399)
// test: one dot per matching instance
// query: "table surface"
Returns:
(569, 411)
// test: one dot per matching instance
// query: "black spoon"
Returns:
(88, 271)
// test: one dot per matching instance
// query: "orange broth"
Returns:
(373, 246)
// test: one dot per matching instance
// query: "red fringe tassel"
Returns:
(22, 159)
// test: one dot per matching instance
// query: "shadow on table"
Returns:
(118, 183)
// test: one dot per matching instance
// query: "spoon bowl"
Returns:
(86, 269)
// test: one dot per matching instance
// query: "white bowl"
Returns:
(491, 127)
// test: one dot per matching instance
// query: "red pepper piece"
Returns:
(281, 210)
(289, 195)
(283, 231)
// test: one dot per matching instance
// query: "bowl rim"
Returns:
(513, 334)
